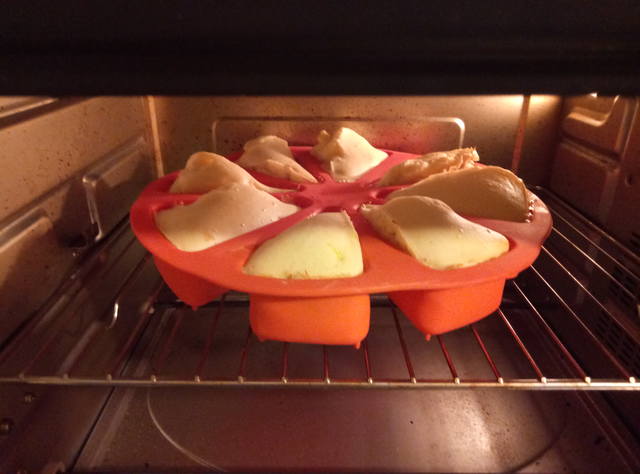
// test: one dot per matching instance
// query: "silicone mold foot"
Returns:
(192, 290)
(439, 311)
(336, 320)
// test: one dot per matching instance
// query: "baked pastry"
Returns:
(413, 170)
(345, 154)
(322, 246)
(483, 191)
(433, 233)
(206, 171)
(220, 215)
(271, 155)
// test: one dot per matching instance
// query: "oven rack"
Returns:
(149, 341)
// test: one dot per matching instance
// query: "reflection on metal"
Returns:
(113, 182)
(512, 384)
(127, 283)
(15, 105)
(522, 128)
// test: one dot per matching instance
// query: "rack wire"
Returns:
(153, 329)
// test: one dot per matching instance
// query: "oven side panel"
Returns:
(70, 170)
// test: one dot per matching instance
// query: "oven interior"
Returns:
(103, 368)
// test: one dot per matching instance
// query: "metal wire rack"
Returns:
(163, 343)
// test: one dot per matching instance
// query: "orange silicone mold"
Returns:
(336, 311)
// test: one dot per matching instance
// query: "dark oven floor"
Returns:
(377, 429)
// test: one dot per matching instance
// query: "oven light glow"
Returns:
(594, 95)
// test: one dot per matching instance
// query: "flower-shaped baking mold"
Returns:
(336, 311)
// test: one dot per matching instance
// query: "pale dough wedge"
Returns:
(323, 246)
(271, 155)
(346, 154)
(433, 233)
(220, 215)
(206, 171)
(487, 191)
(416, 169)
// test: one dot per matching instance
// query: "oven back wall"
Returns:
(491, 122)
